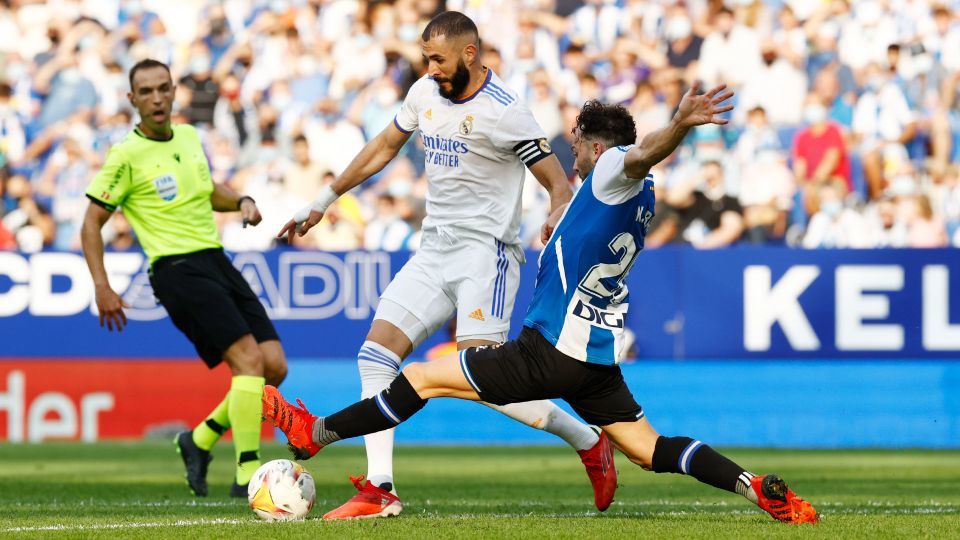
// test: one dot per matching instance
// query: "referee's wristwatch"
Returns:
(243, 198)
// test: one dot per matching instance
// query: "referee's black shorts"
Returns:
(209, 301)
(530, 368)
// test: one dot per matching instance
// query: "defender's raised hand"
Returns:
(697, 109)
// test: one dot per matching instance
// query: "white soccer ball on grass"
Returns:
(281, 490)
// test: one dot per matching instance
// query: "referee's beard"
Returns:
(458, 83)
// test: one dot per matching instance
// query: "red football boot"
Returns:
(369, 502)
(781, 502)
(295, 422)
(600, 468)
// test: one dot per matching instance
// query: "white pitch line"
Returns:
(132, 525)
(497, 515)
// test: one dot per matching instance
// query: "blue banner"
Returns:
(739, 303)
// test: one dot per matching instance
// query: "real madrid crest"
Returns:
(466, 127)
(544, 146)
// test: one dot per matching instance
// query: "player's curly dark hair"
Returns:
(611, 123)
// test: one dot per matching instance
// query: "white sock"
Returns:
(547, 416)
(379, 366)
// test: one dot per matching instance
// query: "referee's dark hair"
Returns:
(146, 63)
(451, 24)
(611, 123)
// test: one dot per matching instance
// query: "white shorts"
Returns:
(464, 272)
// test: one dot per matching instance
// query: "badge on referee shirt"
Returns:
(166, 187)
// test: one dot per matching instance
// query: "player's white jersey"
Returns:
(476, 149)
(580, 302)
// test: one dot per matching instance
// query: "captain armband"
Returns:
(533, 151)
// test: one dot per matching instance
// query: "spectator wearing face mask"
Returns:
(767, 185)
(791, 39)
(203, 91)
(219, 38)
(29, 221)
(648, 112)
(882, 123)
(387, 231)
(63, 87)
(885, 228)
(375, 107)
(703, 214)
(777, 86)
(333, 139)
(683, 46)
(820, 155)
(731, 53)
(834, 226)
(839, 103)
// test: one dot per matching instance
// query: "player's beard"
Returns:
(458, 83)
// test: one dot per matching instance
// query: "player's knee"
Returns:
(416, 375)
(245, 358)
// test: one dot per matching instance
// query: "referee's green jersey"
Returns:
(164, 189)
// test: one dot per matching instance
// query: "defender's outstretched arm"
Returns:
(694, 110)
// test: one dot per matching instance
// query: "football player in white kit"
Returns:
(572, 340)
(478, 138)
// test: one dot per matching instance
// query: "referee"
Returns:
(159, 175)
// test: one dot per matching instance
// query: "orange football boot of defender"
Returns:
(295, 422)
(601, 470)
(369, 502)
(781, 502)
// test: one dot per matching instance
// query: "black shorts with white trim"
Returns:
(530, 368)
(533, 151)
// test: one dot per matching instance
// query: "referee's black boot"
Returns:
(195, 460)
(237, 490)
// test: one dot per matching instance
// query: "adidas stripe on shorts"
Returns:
(467, 273)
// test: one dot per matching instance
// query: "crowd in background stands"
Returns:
(846, 131)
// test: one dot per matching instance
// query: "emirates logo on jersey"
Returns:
(466, 127)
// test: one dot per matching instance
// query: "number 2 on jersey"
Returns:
(624, 246)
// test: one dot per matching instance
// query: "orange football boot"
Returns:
(295, 422)
(369, 502)
(781, 502)
(601, 470)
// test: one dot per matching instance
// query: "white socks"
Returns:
(379, 366)
(547, 416)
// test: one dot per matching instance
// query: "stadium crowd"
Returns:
(846, 132)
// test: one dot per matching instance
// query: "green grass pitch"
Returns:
(136, 490)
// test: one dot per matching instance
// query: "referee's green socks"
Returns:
(245, 410)
(208, 432)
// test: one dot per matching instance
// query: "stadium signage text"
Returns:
(301, 285)
(50, 415)
(861, 303)
(736, 303)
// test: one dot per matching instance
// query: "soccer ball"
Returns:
(281, 490)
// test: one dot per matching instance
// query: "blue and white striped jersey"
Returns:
(581, 298)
